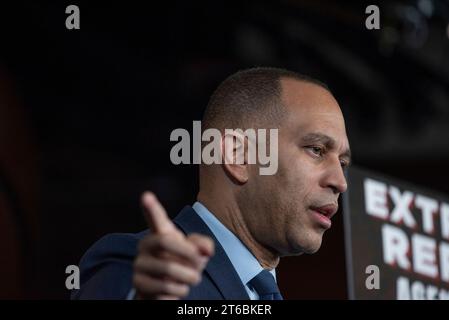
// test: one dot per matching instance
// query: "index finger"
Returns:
(155, 214)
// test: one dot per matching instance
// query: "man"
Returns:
(229, 243)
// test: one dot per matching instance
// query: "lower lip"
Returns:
(321, 219)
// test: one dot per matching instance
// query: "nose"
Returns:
(334, 178)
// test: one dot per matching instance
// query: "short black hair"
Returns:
(250, 98)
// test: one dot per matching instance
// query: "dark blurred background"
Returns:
(86, 115)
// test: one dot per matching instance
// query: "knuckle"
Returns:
(190, 249)
(193, 278)
(169, 268)
(184, 290)
(166, 287)
(197, 278)
(143, 263)
(146, 243)
(163, 242)
(137, 264)
(179, 290)
(137, 281)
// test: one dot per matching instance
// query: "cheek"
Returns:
(297, 192)
(294, 177)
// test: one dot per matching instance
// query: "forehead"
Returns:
(311, 108)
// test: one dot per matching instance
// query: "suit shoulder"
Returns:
(106, 267)
(113, 246)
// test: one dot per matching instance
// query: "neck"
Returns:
(229, 213)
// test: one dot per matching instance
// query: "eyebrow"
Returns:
(327, 141)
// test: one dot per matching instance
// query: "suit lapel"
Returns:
(219, 268)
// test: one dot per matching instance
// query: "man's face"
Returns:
(293, 207)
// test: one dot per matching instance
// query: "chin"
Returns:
(314, 243)
(308, 245)
(312, 248)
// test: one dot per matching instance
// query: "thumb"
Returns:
(205, 244)
(155, 214)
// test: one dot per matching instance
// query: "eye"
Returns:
(316, 150)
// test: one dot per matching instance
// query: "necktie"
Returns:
(266, 286)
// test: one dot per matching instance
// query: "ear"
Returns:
(234, 147)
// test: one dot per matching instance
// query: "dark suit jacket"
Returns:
(107, 267)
